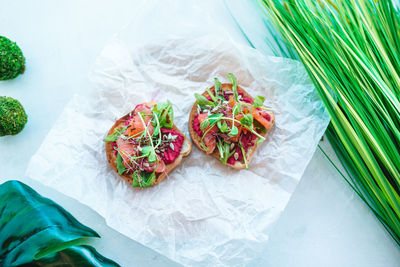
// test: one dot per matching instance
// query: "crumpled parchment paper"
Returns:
(205, 213)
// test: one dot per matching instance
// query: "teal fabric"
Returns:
(32, 226)
(76, 256)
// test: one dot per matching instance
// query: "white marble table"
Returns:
(324, 224)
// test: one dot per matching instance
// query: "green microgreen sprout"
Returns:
(143, 178)
(223, 126)
(258, 101)
(218, 91)
(232, 79)
(234, 131)
(244, 154)
(202, 100)
(214, 99)
(237, 108)
(115, 135)
(220, 149)
(120, 164)
(247, 120)
(204, 124)
(224, 151)
(164, 113)
(152, 154)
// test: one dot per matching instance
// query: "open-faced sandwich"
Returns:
(228, 123)
(144, 146)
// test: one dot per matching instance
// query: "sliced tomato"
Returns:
(263, 117)
(126, 150)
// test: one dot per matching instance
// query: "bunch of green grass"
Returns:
(350, 49)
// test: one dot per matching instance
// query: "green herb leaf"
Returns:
(234, 131)
(143, 179)
(224, 151)
(152, 156)
(214, 119)
(136, 178)
(120, 164)
(170, 117)
(244, 155)
(221, 150)
(215, 116)
(146, 150)
(258, 101)
(202, 100)
(160, 107)
(156, 130)
(214, 99)
(114, 136)
(223, 126)
(247, 120)
(232, 78)
(148, 177)
(165, 115)
(237, 108)
(217, 86)
(204, 124)
(203, 146)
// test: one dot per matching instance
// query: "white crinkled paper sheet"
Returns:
(204, 213)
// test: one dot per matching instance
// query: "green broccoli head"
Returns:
(12, 116)
(12, 61)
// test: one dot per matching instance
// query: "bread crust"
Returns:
(111, 157)
(196, 138)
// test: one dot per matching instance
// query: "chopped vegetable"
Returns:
(141, 144)
(223, 120)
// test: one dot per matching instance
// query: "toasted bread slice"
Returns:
(196, 138)
(111, 157)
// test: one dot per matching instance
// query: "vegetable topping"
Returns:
(230, 121)
(146, 143)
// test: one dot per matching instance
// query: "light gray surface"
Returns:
(325, 224)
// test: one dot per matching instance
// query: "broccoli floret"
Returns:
(12, 116)
(12, 61)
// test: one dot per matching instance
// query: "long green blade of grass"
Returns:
(350, 50)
